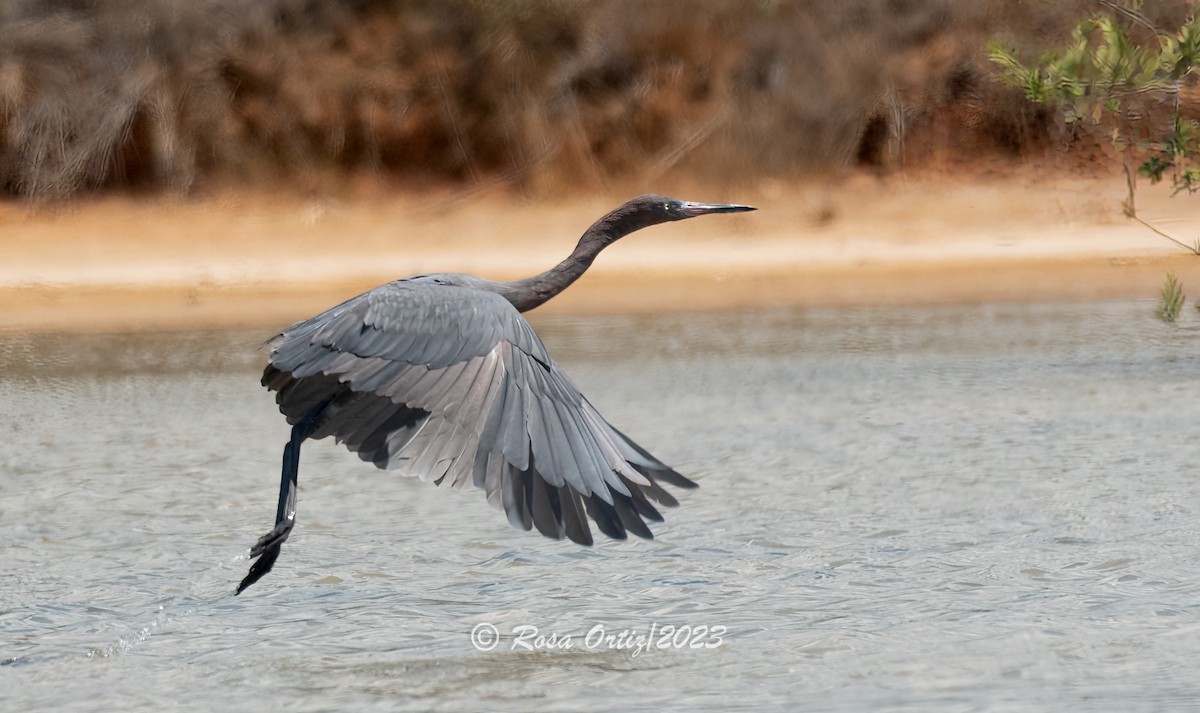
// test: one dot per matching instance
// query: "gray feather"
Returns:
(449, 383)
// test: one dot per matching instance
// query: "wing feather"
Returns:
(451, 384)
(582, 451)
(575, 522)
(513, 435)
(546, 438)
(547, 516)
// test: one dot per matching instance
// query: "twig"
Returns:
(669, 158)
(450, 112)
(1190, 248)
(1130, 185)
(1134, 15)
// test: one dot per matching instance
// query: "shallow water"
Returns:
(950, 508)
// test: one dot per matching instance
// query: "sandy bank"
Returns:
(260, 260)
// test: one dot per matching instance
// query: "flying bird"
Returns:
(441, 377)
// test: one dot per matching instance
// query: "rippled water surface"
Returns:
(951, 508)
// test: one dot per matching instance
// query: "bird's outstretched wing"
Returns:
(451, 384)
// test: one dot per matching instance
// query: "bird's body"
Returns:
(440, 376)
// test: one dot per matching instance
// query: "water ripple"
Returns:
(948, 508)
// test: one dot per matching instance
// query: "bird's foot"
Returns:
(267, 550)
(261, 567)
(273, 538)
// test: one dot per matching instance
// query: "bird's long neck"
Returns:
(535, 291)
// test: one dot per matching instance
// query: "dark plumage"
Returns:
(441, 376)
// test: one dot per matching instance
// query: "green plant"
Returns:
(1172, 299)
(1122, 74)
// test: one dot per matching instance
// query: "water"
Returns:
(951, 508)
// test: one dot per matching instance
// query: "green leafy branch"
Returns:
(1106, 78)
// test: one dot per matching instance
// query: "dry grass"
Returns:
(539, 94)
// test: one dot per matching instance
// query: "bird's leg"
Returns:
(269, 545)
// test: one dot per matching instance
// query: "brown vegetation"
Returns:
(180, 94)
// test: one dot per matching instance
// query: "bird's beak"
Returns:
(688, 209)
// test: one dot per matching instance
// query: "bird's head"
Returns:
(660, 209)
(651, 209)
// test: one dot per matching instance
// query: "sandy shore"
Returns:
(118, 264)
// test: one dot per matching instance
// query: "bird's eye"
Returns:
(667, 207)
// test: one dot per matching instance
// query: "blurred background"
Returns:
(539, 95)
(210, 146)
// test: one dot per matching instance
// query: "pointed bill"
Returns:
(691, 209)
